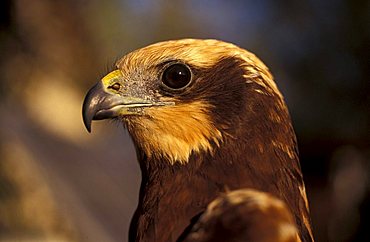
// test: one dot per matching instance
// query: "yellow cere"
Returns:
(111, 76)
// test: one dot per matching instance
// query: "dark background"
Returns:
(59, 182)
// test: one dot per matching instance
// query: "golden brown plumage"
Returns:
(205, 117)
(245, 215)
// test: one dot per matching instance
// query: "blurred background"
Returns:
(59, 183)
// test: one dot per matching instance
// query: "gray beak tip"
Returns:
(89, 109)
(87, 119)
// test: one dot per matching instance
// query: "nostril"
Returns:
(116, 86)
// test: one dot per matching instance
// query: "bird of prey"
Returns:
(214, 141)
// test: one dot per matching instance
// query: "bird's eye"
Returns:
(176, 76)
(116, 86)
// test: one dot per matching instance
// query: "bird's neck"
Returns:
(171, 195)
(168, 201)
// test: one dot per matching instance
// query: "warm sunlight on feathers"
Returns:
(194, 131)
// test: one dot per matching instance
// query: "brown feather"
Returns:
(245, 215)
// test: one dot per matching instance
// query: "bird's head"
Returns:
(184, 96)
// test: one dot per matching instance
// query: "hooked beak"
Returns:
(100, 103)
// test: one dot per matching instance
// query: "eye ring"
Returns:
(115, 86)
(176, 76)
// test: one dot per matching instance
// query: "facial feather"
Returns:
(174, 132)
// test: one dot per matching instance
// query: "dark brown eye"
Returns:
(116, 86)
(176, 76)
